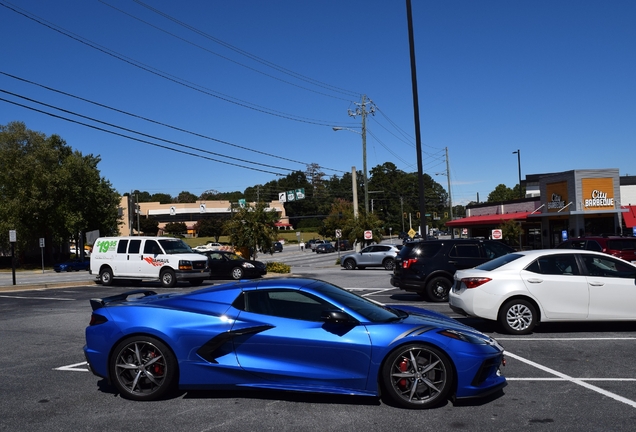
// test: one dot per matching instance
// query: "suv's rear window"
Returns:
(421, 250)
(622, 244)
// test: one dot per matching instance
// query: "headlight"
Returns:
(248, 265)
(466, 337)
(185, 265)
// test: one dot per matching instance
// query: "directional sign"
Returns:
(282, 196)
(300, 194)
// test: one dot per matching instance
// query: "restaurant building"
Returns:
(559, 206)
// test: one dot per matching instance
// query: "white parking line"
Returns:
(37, 298)
(73, 367)
(577, 381)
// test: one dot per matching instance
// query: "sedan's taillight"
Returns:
(97, 319)
(407, 263)
(474, 282)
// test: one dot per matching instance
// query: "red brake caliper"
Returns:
(404, 366)
(158, 369)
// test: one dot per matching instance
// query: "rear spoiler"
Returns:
(99, 303)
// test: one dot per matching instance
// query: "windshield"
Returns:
(498, 262)
(174, 246)
(368, 309)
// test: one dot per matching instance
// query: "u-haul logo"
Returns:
(155, 262)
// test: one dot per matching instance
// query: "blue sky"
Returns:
(261, 84)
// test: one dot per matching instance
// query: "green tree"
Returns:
(176, 228)
(162, 198)
(511, 231)
(252, 227)
(49, 191)
(503, 193)
(211, 227)
(186, 197)
(148, 226)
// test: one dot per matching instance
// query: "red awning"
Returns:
(487, 219)
(282, 224)
(630, 216)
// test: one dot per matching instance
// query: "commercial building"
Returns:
(559, 206)
(188, 213)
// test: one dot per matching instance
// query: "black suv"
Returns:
(427, 267)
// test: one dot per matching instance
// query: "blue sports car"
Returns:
(287, 334)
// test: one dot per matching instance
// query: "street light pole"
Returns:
(518, 152)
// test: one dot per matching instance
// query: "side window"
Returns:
(494, 250)
(593, 246)
(608, 267)
(134, 246)
(121, 246)
(464, 251)
(152, 247)
(557, 265)
(286, 304)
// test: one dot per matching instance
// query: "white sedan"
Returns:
(522, 289)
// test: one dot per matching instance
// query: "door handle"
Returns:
(534, 280)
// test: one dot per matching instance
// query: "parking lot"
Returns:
(563, 377)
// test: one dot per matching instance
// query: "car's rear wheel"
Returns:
(518, 316)
(438, 288)
(106, 276)
(417, 376)
(143, 368)
(388, 263)
(237, 273)
(168, 278)
(350, 264)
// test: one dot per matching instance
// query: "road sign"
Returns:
(282, 196)
(497, 234)
(368, 235)
(338, 233)
(13, 237)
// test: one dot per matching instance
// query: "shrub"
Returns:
(278, 267)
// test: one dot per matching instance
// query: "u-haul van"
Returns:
(165, 259)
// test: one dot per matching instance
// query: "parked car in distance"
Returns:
(228, 264)
(75, 264)
(315, 243)
(377, 255)
(621, 247)
(287, 334)
(276, 247)
(325, 248)
(427, 267)
(343, 245)
(523, 289)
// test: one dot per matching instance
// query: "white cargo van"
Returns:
(165, 259)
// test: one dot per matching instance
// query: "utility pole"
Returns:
(450, 201)
(361, 111)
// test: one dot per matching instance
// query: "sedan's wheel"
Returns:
(106, 276)
(237, 273)
(168, 279)
(388, 264)
(518, 317)
(350, 264)
(417, 376)
(143, 368)
(438, 288)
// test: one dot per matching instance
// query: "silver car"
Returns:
(378, 255)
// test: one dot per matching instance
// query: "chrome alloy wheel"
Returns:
(519, 317)
(419, 376)
(141, 369)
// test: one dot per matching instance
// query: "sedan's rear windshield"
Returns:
(498, 262)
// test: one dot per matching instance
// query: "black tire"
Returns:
(350, 264)
(518, 316)
(417, 376)
(168, 278)
(389, 264)
(237, 273)
(143, 368)
(195, 282)
(106, 276)
(437, 289)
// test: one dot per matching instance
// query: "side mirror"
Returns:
(337, 317)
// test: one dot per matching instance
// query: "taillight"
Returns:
(97, 319)
(407, 263)
(474, 282)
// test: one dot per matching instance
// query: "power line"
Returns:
(157, 122)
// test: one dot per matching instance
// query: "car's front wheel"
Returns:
(168, 278)
(438, 288)
(143, 368)
(350, 264)
(518, 316)
(237, 273)
(417, 376)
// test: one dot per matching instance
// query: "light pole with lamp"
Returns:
(518, 152)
